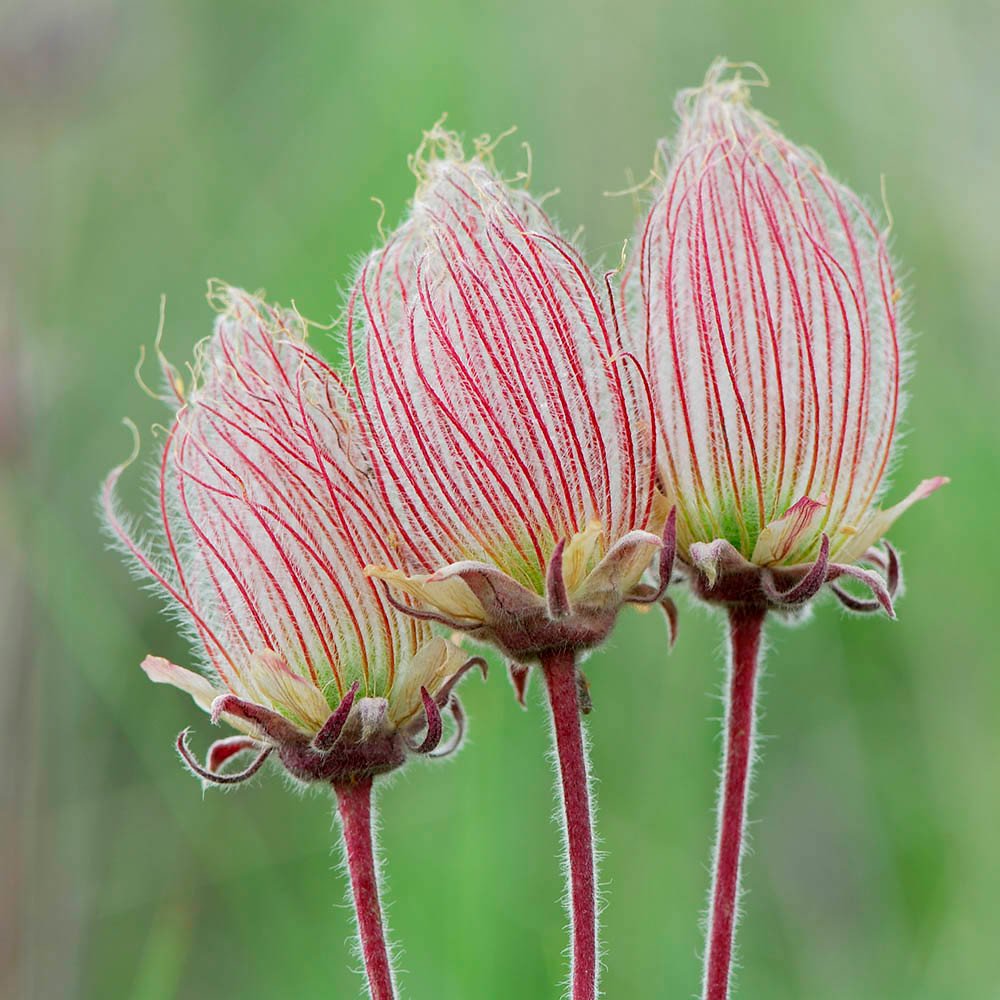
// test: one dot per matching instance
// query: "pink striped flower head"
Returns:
(511, 433)
(263, 525)
(763, 297)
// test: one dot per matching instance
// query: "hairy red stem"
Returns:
(745, 627)
(561, 677)
(354, 801)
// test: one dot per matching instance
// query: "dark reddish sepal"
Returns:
(334, 726)
(665, 567)
(555, 584)
(276, 727)
(718, 573)
(225, 749)
(435, 727)
(458, 736)
(807, 588)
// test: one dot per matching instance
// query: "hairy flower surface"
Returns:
(263, 526)
(511, 435)
(764, 302)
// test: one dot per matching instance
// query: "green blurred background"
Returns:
(150, 146)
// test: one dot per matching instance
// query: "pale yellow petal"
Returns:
(429, 667)
(858, 542)
(662, 505)
(781, 537)
(269, 682)
(619, 571)
(201, 689)
(579, 555)
(449, 596)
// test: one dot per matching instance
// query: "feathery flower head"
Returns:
(769, 317)
(263, 526)
(511, 434)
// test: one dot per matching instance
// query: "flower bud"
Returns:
(511, 434)
(264, 523)
(765, 307)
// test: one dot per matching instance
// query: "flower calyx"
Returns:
(719, 574)
(576, 611)
(358, 740)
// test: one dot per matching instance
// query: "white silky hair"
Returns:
(266, 523)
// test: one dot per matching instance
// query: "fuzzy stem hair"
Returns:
(746, 624)
(354, 803)
(561, 679)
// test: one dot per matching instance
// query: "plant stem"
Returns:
(561, 678)
(745, 627)
(354, 800)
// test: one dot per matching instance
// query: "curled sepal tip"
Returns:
(435, 727)
(670, 613)
(211, 776)
(444, 693)
(458, 736)
(646, 594)
(880, 591)
(888, 564)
